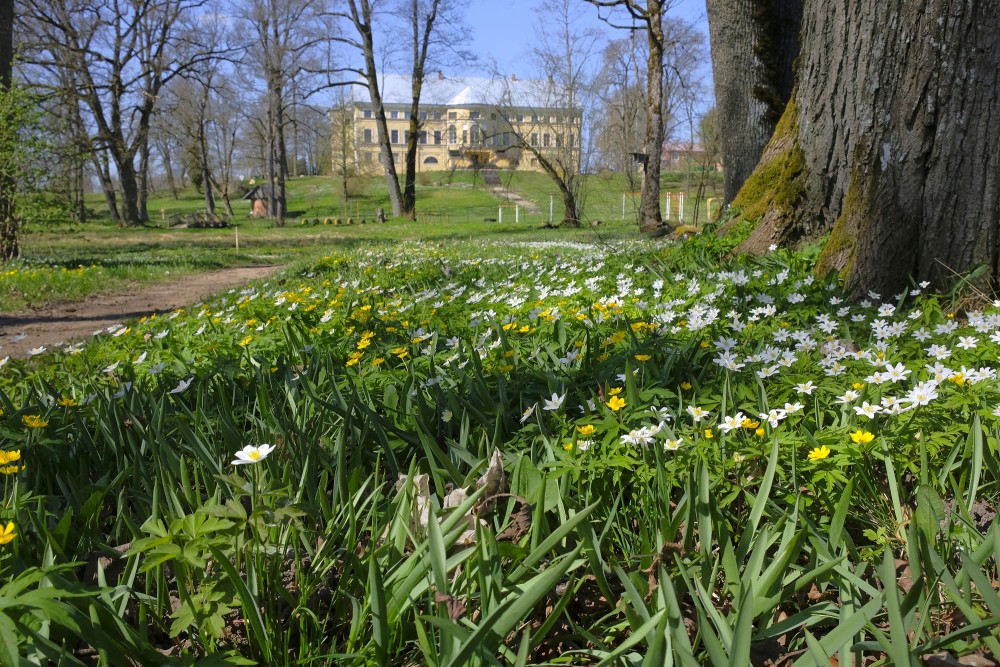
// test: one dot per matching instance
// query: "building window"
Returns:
(393, 114)
(572, 140)
(474, 115)
(452, 134)
(534, 139)
(452, 115)
(545, 140)
(406, 137)
(534, 118)
(520, 118)
(437, 115)
(493, 116)
(559, 140)
(368, 136)
(437, 137)
(393, 136)
(465, 136)
(430, 159)
(368, 113)
(474, 134)
(423, 115)
(423, 136)
(534, 162)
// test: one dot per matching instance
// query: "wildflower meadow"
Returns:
(552, 452)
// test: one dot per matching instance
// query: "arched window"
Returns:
(430, 160)
(452, 135)
(474, 135)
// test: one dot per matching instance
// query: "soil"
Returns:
(54, 325)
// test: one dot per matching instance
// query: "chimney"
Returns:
(440, 75)
(513, 77)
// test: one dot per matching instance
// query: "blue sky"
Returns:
(503, 30)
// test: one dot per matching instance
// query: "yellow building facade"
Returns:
(469, 122)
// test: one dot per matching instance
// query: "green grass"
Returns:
(64, 263)
(509, 447)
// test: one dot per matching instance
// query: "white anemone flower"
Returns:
(252, 454)
(554, 403)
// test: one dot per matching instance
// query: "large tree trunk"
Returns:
(892, 140)
(754, 43)
(9, 247)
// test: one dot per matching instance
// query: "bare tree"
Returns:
(359, 14)
(119, 55)
(286, 53)
(564, 51)
(647, 16)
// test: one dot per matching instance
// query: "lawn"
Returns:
(509, 445)
(63, 263)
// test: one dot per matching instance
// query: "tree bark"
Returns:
(9, 247)
(754, 43)
(649, 204)
(896, 121)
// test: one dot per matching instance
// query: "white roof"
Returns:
(465, 91)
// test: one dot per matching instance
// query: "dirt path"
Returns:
(23, 331)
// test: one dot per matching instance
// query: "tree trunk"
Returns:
(108, 187)
(754, 43)
(896, 131)
(127, 177)
(169, 168)
(206, 172)
(649, 204)
(142, 179)
(9, 247)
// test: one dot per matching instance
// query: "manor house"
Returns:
(468, 122)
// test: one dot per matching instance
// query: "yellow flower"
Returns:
(364, 342)
(708, 434)
(957, 378)
(66, 402)
(819, 453)
(506, 368)
(760, 431)
(34, 421)
(614, 391)
(642, 357)
(862, 437)
(378, 361)
(7, 533)
(603, 357)
(616, 403)
(568, 446)
(586, 429)
(246, 341)
(703, 345)
(9, 457)
(351, 362)
(746, 423)
(686, 386)
(858, 385)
